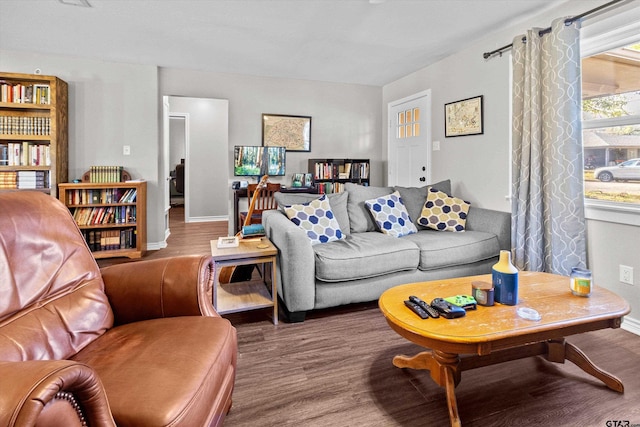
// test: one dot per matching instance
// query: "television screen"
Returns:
(258, 161)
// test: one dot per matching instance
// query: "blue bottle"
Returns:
(504, 276)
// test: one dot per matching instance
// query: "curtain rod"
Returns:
(567, 21)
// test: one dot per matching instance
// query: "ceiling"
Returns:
(371, 42)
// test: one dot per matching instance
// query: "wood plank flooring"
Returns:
(335, 370)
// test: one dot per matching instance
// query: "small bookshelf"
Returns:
(110, 215)
(330, 175)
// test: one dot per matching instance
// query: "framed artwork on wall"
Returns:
(291, 132)
(464, 117)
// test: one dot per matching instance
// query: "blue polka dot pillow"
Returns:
(443, 212)
(390, 215)
(316, 219)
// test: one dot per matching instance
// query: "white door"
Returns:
(409, 145)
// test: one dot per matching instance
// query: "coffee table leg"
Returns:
(560, 350)
(450, 386)
(443, 368)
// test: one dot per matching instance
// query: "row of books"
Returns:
(81, 196)
(329, 187)
(19, 93)
(348, 170)
(105, 215)
(25, 125)
(105, 174)
(24, 180)
(25, 154)
(109, 240)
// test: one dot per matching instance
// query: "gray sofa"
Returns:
(367, 262)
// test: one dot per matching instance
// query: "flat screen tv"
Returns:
(258, 161)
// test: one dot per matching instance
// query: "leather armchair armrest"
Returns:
(28, 391)
(165, 287)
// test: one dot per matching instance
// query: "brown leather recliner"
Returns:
(135, 344)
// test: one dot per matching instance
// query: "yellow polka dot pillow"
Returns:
(443, 212)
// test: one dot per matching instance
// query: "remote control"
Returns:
(416, 309)
(432, 312)
(446, 309)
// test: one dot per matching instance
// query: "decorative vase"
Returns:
(504, 276)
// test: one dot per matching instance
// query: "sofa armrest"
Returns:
(165, 287)
(491, 221)
(296, 261)
(30, 394)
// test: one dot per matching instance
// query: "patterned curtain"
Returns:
(548, 224)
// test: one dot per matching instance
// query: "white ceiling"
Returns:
(350, 41)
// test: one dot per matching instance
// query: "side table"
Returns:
(251, 294)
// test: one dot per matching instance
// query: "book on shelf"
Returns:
(105, 173)
(25, 125)
(21, 93)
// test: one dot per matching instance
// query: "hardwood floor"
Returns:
(185, 238)
(335, 370)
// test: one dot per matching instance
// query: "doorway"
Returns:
(409, 140)
(203, 125)
(178, 140)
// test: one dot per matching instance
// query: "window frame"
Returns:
(600, 34)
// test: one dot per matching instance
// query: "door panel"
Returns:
(409, 150)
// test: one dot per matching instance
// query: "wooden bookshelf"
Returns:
(112, 216)
(33, 132)
(330, 175)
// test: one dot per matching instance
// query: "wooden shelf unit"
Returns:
(29, 124)
(109, 216)
(329, 175)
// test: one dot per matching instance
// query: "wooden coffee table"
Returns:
(496, 334)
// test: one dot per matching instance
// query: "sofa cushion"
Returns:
(162, 372)
(414, 198)
(359, 215)
(443, 212)
(441, 250)
(363, 255)
(316, 219)
(390, 215)
(338, 202)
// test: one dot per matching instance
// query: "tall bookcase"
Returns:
(330, 175)
(111, 216)
(33, 132)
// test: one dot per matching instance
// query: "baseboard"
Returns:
(632, 325)
(207, 218)
(156, 246)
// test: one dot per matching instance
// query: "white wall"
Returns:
(110, 105)
(479, 166)
(346, 118)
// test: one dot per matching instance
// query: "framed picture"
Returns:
(291, 132)
(464, 117)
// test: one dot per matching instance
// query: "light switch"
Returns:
(436, 145)
(126, 150)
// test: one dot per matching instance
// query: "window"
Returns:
(611, 126)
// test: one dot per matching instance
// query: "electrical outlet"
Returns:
(626, 274)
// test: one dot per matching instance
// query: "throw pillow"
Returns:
(337, 201)
(317, 219)
(390, 215)
(444, 212)
(414, 197)
(359, 215)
